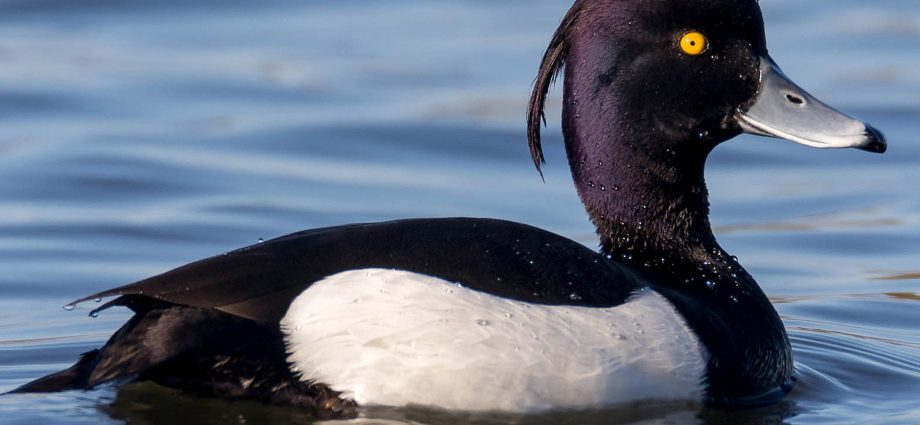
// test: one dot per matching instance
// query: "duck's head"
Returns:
(651, 86)
(681, 75)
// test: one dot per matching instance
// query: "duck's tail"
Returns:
(202, 350)
(131, 351)
(72, 378)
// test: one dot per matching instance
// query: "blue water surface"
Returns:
(138, 135)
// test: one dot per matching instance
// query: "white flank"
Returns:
(395, 338)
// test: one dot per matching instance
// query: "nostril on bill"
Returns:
(796, 100)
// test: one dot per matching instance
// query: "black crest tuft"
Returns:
(552, 63)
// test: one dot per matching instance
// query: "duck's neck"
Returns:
(647, 200)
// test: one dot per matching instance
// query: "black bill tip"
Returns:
(875, 141)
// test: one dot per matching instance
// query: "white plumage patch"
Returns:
(396, 338)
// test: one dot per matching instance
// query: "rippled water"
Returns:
(136, 136)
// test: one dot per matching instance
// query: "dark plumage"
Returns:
(640, 117)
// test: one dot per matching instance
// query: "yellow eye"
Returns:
(693, 43)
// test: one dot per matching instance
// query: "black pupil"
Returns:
(692, 43)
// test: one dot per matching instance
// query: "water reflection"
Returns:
(903, 276)
(143, 404)
(906, 296)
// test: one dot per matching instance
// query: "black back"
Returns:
(503, 258)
